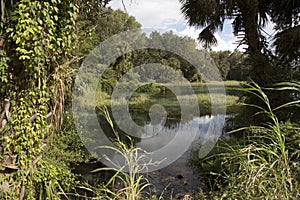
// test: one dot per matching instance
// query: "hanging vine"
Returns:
(36, 38)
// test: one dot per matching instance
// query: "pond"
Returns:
(175, 176)
(180, 177)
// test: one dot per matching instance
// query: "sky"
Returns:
(165, 15)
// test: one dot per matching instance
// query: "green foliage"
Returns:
(240, 68)
(151, 88)
(249, 19)
(263, 164)
(52, 179)
(185, 46)
(3, 71)
(132, 183)
(232, 65)
(52, 21)
(93, 28)
(66, 146)
(221, 60)
(39, 146)
(285, 14)
(278, 94)
(38, 37)
(64, 151)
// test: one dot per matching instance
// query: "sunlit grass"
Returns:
(143, 101)
(232, 83)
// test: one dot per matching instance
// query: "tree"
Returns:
(285, 14)
(249, 17)
(91, 29)
(232, 65)
(183, 45)
(239, 67)
(221, 59)
(38, 42)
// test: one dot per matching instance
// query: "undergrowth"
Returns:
(262, 164)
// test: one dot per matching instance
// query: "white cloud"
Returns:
(191, 32)
(224, 44)
(152, 13)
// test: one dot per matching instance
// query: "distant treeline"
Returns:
(231, 65)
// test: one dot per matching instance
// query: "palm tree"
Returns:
(249, 17)
(285, 14)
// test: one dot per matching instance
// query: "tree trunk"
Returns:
(259, 61)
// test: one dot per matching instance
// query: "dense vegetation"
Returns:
(260, 160)
(42, 44)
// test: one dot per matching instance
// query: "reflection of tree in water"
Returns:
(108, 131)
(140, 117)
(158, 134)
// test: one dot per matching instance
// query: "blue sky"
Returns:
(165, 15)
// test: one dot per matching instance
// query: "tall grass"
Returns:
(128, 181)
(264, 163)
(124, 185)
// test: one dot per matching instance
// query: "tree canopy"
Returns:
(249, 18)
(41, 43)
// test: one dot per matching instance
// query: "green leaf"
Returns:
(24, 57)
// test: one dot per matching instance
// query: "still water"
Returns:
(175, 176)
(180, 177)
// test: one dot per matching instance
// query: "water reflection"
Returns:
(208, 129)
(205, 130)
(201, 131)
(163, 143)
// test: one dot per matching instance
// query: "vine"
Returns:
(34, 74)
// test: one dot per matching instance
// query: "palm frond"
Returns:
(207, 38)
(285, 44)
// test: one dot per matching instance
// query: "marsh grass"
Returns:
(128, 181)
(125, 185)
(142, 101)
(264, 163)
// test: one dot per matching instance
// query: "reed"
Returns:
(128, 181)
(265, 162)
